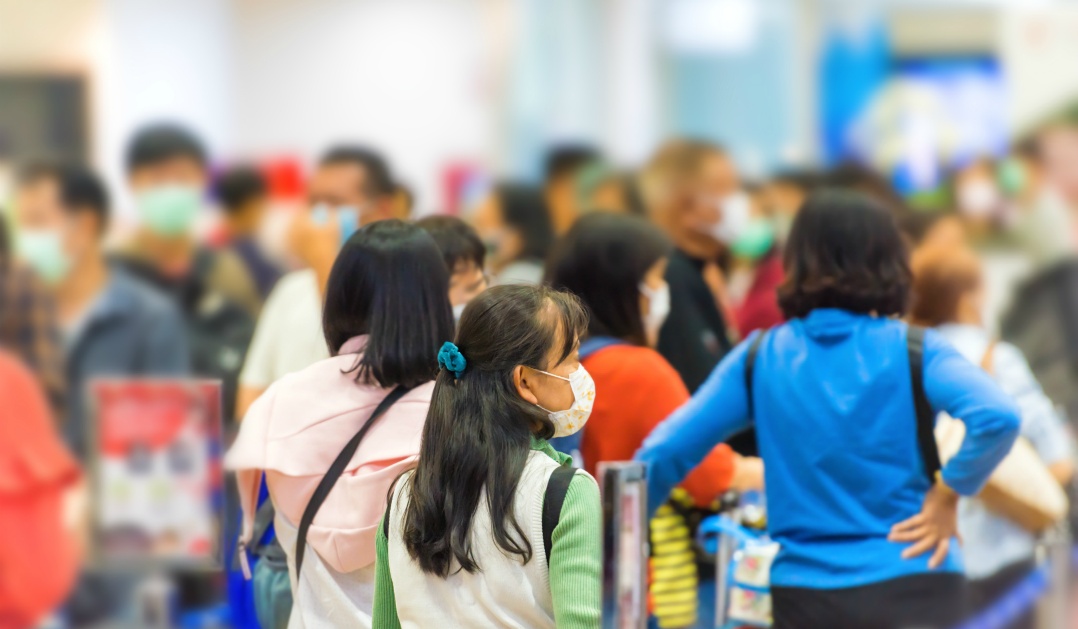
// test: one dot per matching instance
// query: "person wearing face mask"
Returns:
(514, 223)
(757, 250)
(111, 323)
(28, 326)
(473, 536)
(463, 253)
(352, 186)
(168, 174)
(615, 265)
(691, 190)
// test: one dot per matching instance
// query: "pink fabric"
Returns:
(295, 430)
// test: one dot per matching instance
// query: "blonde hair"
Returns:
(673, 167)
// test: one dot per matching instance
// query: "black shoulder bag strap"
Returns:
(556, 488)
(750, 367)
(926, 418)
(335, 471)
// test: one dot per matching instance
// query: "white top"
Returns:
(992, 542)
(288, 337)
(505, 593)
(325, 598)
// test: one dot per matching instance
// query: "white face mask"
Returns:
(458, 310)
(978, 198)
(658, 308)
(736, 210)
(573, 418)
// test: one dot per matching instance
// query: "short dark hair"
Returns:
(844, 251)
(602, 260)
(238, 186)
(478, 431)
(524, 209)
(379, 180)
(159, 142)
(80, 189)
(389, 282)
(564, 159)
(457, 240)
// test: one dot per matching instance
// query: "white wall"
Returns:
(1039, 50)
(161, 60)
(410, 77)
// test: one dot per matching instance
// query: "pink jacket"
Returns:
(295, 430)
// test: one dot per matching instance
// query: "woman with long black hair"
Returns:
(472, 537)
(843, 417)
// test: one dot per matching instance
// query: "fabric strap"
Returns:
(335, 472)
(556, 488)
(750, 367)
(926, 418)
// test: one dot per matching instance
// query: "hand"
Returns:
(932, 528)
(748, 474)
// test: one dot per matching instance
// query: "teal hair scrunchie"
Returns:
(450, 359)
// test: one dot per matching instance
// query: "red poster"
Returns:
(157, 473)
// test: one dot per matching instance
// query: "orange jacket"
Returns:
(38, 561)
(635, 389)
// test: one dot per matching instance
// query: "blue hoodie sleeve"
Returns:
(717, 411)
(967, 393)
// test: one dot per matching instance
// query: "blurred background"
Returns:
(960, 115)
(451, 85)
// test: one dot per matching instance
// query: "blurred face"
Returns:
(467, 281)
(175, 171)
(609, 196)
(503, 243)
(49, 238)
(168, 195)
(711, 207)
(342, 187)
(977, 193)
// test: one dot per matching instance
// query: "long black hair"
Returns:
(389, 281)
(602, 260)
(845, 251)
(478, 431)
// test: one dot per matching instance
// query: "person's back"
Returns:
(863, 521)
(840, 382)
(506, 593)
(304, 419)
(494, 528)
(386, 310)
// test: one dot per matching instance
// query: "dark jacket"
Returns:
(131, 331)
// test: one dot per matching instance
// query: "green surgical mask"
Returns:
(1012, 177)
(755, 240)
(169, 210)
(43, 250)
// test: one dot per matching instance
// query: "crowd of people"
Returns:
(417, 409)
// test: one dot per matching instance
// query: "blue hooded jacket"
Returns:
(836, 427)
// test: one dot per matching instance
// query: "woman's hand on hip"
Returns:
(933, 528)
